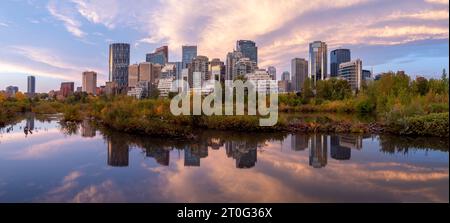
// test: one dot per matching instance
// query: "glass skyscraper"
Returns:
(337, 57)
(248, 49)
(160, 56)
(318, 61)
(31, 84)
(119, 60)
(188, 54)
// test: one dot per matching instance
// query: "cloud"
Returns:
(3, 24)
(99, 11)
(65, 15)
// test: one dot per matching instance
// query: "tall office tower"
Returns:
(299, 72)
(217, 69)
(67, 89)
(352, 72)
(168, 71)
(160, 56)
(232, 59)
(179, 69)
(286, 76)
(248, 49)
(90, 82)
(337, 57)
(31, 84)
(317, 61)
(272, 72)
(133, 75)
(188, 54)
(119, 60)
(244, 66)
(201, 64)
(150, 72)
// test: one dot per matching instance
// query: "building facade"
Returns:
(352, 72)
(244, 66)
(299, 71)
(31, 85)
(188, 54)
(286, 76)
(119, 60)
(89, 82)
(230, 67)
(337, 57)
(318, 61)
(248, 49)
(272, 72)
(160, 56)
(67, 89)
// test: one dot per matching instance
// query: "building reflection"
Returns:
(87, 130)
(117, 152)
(30, 121)
(351, 141)
(337, 151)
(160, 154)
(299, 142)
(244, 152)
(190, 158)
(318, 151)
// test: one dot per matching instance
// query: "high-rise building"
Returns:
(217, 69)
(230, 69)
(272, 72)
(67, 89)
(352, 72)
(12, 90)
(317, 61)
(299, 71)
(90, 82)
(248, 49)
(285, 76)
(119, 60)
(188, 54)
(31, 84)
(244, 66)
(179, 69)
(133, 75)
(160, 56)
(337, 57)
(201, 64)
(168, 71)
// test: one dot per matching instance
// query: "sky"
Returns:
(56, 40)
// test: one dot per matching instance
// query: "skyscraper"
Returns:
(201, 64)
(317, 61)
(352, 72)
(299, 72)
(119, 60)
(90, 82)
(285, 76)
(272, 72)
(232, 59)
(337, 57)
(188, 53)
(160, 56)
(133, 75)
(67, 89)
(248, 49)
(244, 66)
(31, 83)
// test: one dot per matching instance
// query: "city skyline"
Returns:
(74, 35)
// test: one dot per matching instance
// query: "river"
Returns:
(44, 161)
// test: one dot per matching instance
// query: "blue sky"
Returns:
(56, 40)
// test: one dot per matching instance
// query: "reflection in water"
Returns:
(318, 147)
(279, 166)
(117, 152)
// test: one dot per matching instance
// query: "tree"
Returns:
(420, 85)
(307, 91)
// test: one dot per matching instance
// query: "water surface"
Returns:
(44, 161)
